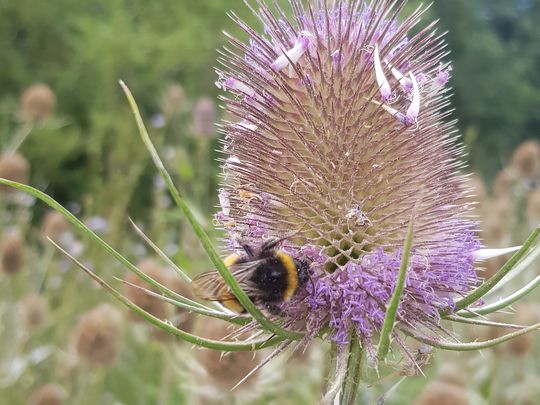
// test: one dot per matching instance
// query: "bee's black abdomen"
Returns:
(271, 280)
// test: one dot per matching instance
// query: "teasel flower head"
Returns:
(342, 136)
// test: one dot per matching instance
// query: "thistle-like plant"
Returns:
(343, 145)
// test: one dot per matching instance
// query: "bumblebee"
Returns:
(268, 276)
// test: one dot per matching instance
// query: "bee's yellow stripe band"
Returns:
(292, 274)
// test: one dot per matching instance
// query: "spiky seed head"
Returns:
(526, 158)
(97, 336)
(11, 252)
(477, 196)
(173, 100)
(204, 117)
(48, 394)
(341, 133)
(33, 311)
(442, 393)
(13, 167)
(53, 225)
(38, 103)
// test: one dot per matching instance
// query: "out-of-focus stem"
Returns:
(351, 382)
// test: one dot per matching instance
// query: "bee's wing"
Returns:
(210, 285)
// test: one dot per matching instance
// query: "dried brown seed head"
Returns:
(48, 394)
(442, 393)
(225, 369)
(11, 253)
(53, 225)
(38, 103)
(96, 337)
(13, 167)
(33, 311)
(526, 158)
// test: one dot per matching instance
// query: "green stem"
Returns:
(351, 382)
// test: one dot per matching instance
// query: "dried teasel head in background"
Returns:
(204, 117)
(173, 100)
(38, 103)
(224, 370)
(97, 336)
(13, 167)
(504, 183)
(33, 312)
(442, 393)
(48, 394)
(54, 225)
(526, 158)
(11, 252)
(533, 207)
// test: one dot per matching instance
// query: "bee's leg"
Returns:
(249, 251)
(269, 245)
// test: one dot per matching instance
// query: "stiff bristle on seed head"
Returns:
(341, 132)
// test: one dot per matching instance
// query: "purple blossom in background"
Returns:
(341, 131)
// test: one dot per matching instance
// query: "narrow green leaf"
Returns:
(502, 303)
(201, 234)
(391, 311)
(168, 327)
(160, 253)
(239, 320)
(482, 322)
(492, 282)
(472, 346)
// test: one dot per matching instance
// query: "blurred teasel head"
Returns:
(11, 252)
(13, 167)
(38, 103)
(342, 136)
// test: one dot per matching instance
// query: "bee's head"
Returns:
(302, 267)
